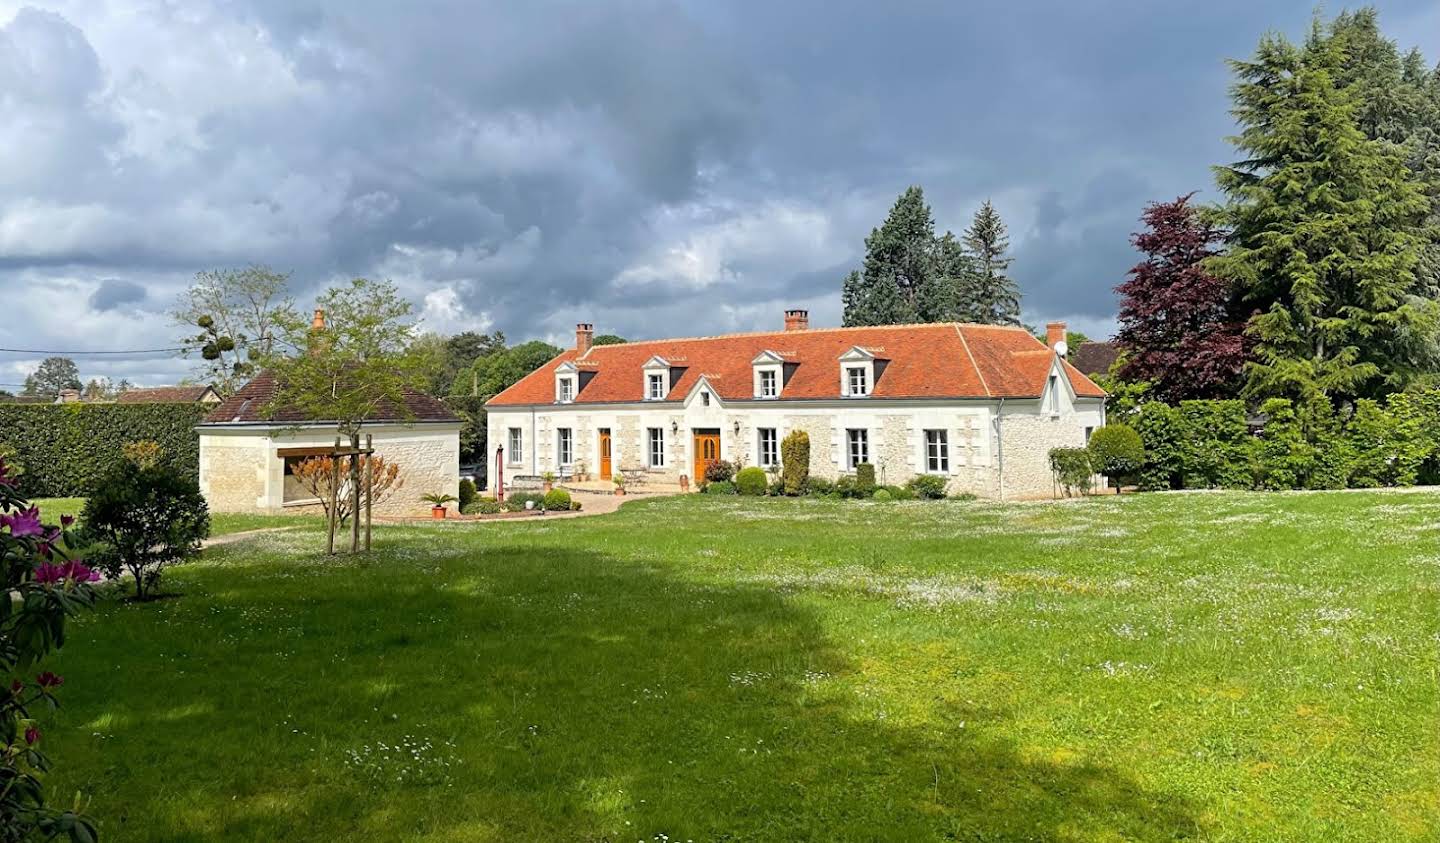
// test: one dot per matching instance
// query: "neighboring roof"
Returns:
(248, 407)
(942, 360)
(1096, 358)
(160, 394)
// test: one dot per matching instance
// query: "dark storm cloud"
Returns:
(525, 166)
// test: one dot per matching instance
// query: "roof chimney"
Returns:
(797, 320)
(318, 323)
(1054, 333)
(584, 338)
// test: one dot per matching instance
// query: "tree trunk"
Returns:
(354, 493)
(369, 485)
(334, 499)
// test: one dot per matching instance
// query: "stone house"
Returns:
(980, 405)
(247, 457)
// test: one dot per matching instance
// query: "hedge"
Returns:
(65, 448)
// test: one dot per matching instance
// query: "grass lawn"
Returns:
(1154, 667)
(220, 523)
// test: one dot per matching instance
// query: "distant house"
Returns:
(247, 458)
(1095, 358)
(169, 394)
(977, 405)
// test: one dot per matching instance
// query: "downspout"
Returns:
(1000, 445)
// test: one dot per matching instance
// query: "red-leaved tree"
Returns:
(1177, 328)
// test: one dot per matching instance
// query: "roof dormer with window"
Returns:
(656, 373)
(567, 383)
(768, 375)
(857, 373)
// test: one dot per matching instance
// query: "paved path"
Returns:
(243, 534)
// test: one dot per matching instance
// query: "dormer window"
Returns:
(768, 388)
(858, 380)
(567, 390)
(567, 381)
(769, 368)
(657, 379)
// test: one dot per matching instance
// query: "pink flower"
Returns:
(49, 573)
(50, 680)
(79, 572)
(32, 735)
(66, 521)
(23, 523)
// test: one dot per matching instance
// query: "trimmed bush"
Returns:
(1162, 432)
(66, 448)
(467, 494)
(515, 501)
(720, 487)
(927, 486)
(865, 479)
(845, 487)
(899, 493)
(1072, 469)
(882, 496)
(575, 506)
(751, 481)
(1215, 445)
(484, 506)
(818, 487)
(719, 471)
(795, 461)
(1116, 451)
(146, 518)
(556, 500)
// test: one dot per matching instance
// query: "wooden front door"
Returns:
(707, 451)
(604, 453)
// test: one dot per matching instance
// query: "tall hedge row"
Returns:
(64, 448)
(1209, 444)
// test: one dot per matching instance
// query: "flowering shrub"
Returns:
(43, 586)
(719, 471)
(144, 520)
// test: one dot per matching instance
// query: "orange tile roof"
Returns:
(943, 360)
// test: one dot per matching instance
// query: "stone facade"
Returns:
(241, 469)
(995, 448)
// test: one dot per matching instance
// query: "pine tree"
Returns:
(898, 266)
(1324, 231)
(1176, 324)
(994, 298)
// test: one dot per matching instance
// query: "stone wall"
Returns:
(232, 472)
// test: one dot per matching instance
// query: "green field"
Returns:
(1151, 667)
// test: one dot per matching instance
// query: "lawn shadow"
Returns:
(587, 697)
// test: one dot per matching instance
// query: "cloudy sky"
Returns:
(658, 168)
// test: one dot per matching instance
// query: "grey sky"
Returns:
(654, 167)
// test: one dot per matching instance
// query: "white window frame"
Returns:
(656, 367)
(857, 381)
(774, 455)
(769, 383)
(854, 456)
(565, 390)
(655, 447)
(654, 386)
(770, 366)
(564, 447)
(937, 458)
(1054, 395)
(863, 360)
(515, 444)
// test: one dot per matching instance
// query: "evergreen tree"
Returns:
(1325, 231)
(53, 375)
(1176, 325)
(898, 266)
(994, 297)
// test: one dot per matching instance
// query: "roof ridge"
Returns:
(834, 329)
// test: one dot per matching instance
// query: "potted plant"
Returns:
(549, 479)
(437, 504)
(619, 481)
(581, 475)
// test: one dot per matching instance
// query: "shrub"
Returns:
(1072, 469)
(845, 487)
(515, 501)
(467, 493)
(819, 487)
(720, 487)
(556, 500)
(899, 493)
(927, 486)
(1163, 434)
(795, 461)
(865, 479)
(575, 506)
(1214, 445)
(145, 453)
(316, 475)
(66, 448)
(751, 481)
(719, 471)
(882, 496)
(1281, 458)
(1116, 451)
(148, 519)
(483, 506)
(41, 585)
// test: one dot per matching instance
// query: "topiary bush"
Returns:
(144, 520)
(720, 487)
(882, 496)
(1072, 469)
(467, 494)
(795, 461)
(751, 481)
(1117, 452)
(927, 486)
(719, 471)
(865, 479)
(556, 500)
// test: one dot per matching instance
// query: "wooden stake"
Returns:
(334, 498)
(355, 494)
(369, 485)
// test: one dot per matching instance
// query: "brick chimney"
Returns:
(1054, 333)
(584, 338)
(318, 323)
(797, 320)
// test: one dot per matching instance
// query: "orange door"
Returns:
(707, 452)
(604, 453)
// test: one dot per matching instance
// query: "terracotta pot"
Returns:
(619, 492)
(437, 512)
(549, 485)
